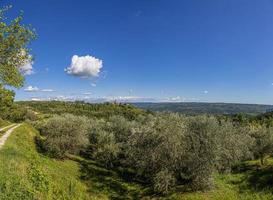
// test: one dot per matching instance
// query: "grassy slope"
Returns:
(26, 174)
(251, 183)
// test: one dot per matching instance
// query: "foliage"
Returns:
(187, 150)
(164, 150)
(25, 174)
(235, 144)
(14, 52)
(164, 181)
(103, 110)
(263, 142)
(64, 134)
(6, 102)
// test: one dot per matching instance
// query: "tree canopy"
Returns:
(14, 51)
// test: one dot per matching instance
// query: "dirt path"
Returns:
(7, 134)
(3, 128)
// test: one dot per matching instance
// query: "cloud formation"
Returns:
(47, 90)
(27, 68)
(36, 89)
(31, 89)
(87, 93)
(84, 66)
(176, 99)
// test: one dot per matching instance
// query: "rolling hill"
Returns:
(190, 108)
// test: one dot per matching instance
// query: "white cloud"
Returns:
(31, 89)
(175, 99)
(27, 68)
(36, 99)
(84, 66)
(47, 90)
(206, 92)
(128, 99)
(93, 84)
(36, 89)
(87, 93)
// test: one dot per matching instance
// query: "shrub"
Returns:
(263, 142)
(234, 144)
(163, 182)
(200, 152)
(105, 149)
(108, 139)
(64, 134)
(30, 115)
(185, 147)
(163, 150)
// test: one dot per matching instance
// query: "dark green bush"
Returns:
(169, 149)
(164, 150)
(64, 134)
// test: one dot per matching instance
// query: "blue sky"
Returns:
(162, 50)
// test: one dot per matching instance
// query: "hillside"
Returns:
(103, 110)
(206, 108)
(27, 174)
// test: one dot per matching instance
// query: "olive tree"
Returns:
(263, 142)
(234, 144)
(64, 134)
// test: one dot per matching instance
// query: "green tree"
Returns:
(6, 101)
(263, 142)
(64, 134)
(14, 51)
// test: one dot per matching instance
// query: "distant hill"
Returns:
(206, 108)
(99, 110)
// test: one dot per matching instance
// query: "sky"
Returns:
(149, 50)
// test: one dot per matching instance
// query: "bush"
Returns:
(104, 147)
(30, 115)
(185, 147)
(64, 134)
(163, 150)
(263, 142)
(169, 149)
(234, 144)
(163, 182)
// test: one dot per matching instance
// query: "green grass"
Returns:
(251, 182)
(26, 174)
(4, 123)
(109, 183)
